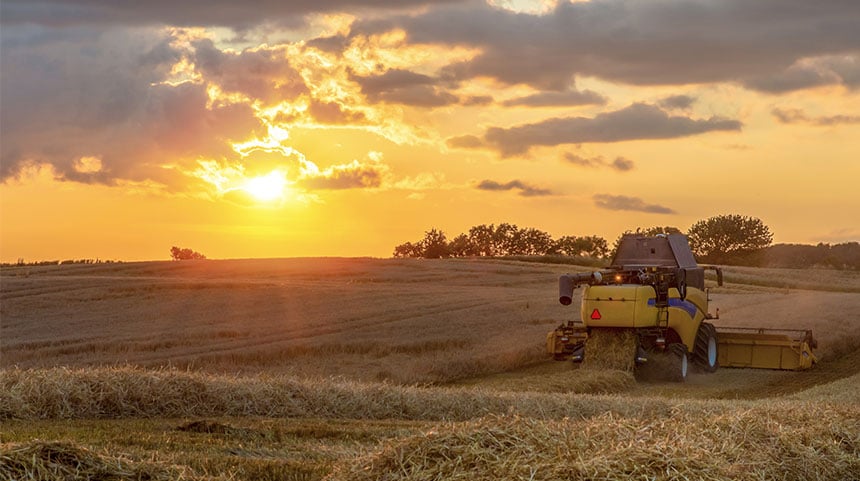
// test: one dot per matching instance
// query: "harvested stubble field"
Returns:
(347, 369)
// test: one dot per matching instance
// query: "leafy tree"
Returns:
(718, 238)
(481, 239)
(593, 246)
(588, 246)
(408, 249)
(180, 254)
(532, 242)
(506, 239)
(656, 230)
(435, 245)
(461, 246)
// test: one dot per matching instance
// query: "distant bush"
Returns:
(179, 254)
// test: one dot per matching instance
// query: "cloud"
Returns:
(810, 73)
(399, 86)
(526, 190)
(478, 100)
(620, 164)
(226, 13)
(557, 99)
(334, 113)
(636, 122)
(355, 175)
(75, 93)
(681, 102)
(622, 202)
(639, 43)
(794, 116)
(465, 142)
(263, 74)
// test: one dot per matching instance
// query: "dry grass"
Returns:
(806, 279)
(768, 442)
(401, 320)
(434, 321)
(831, 316)
(610, 349)
(483, 434)
(301, 344)
(556, 377)
(41, 460)
(114, 393)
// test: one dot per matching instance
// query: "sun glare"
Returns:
(267, 187)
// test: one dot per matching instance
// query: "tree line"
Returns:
(724, 239)
(501, 240)
(20, 262)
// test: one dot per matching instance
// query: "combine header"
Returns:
(655, 288)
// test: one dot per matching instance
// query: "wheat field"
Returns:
(396, 369)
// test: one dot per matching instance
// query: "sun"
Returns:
(267, 187)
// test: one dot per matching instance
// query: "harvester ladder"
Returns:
(663, 317)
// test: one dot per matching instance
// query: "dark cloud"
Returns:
(227, 13)
(334, 113)
(636, 122)
(409, 88)
(70, 94)
(642, 43)
(263, 74)
(417, 96)
(811, 73)
(620, 164)
(476, 100)
(332, 44)
(794, 116)
(622, 202)
(558, 99)
(682, 102)
(465, 142)
(349, 176)
(526, 190)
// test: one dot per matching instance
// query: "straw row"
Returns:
(41, 460)
(130, 392)
(613, 349)
(810, 443)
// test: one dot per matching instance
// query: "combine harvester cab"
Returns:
(655, 289)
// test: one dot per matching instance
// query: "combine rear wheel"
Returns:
(705, 353)
(678, 365)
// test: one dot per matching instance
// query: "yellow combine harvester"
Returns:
(655, 288)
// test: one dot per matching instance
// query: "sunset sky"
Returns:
(267, 128)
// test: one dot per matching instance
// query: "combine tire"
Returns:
(678, 365)
(705, 353)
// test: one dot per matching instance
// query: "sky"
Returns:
(265, 128)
